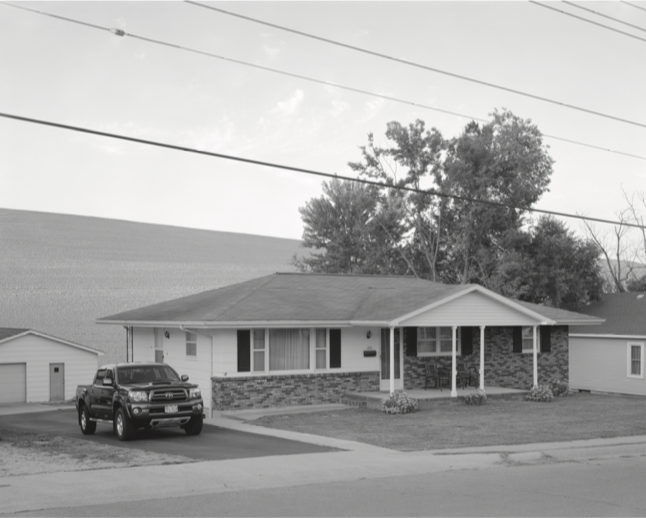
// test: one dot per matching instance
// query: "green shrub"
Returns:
(399, 403)
(541, 393)
(560, 388)
(476, 398)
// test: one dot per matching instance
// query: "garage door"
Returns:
(13, 383)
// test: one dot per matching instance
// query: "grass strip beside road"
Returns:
(498, 422)
(28, 453)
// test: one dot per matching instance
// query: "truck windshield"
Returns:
(146, 374)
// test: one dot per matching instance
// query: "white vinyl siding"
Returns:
(603, 364)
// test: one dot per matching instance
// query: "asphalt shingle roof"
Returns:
(309, 298)
(625, 314)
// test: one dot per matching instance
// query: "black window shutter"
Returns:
(546, 339)
(518, 339)
(466, 340)
(335, 348)
(244, 350)
(410, 341)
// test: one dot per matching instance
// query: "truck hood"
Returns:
(158, 385)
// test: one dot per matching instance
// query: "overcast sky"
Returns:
(73, 74)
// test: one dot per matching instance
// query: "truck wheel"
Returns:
(87, 427)
(194, 426)
(122, 425)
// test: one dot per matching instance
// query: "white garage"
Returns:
(35, 367)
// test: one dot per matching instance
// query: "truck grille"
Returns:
(168, 396)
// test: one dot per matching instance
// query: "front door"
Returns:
(385, 361)
(57, 382)
(159, 346)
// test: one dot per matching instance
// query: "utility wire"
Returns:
(429, 192)
(424, 67)
(586, 20)
(632, 5)
(603, 15)
(119, 32)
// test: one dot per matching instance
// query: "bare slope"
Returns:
(58, 273)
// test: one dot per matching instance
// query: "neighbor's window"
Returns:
(635, 360)
(289, 349)
(436, 341)
(321, 348)
(528, 339)
(191, 344)
(258, 350)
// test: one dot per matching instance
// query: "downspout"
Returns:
(127, 337)
(211, 367)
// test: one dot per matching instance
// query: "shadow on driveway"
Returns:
(214, 443)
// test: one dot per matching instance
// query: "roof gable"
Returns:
(7, 334)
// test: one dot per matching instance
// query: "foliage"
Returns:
(542, 393)
(559, 388)
(476, 398)
(399, 403)
(637, 284)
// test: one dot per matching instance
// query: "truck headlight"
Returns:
(194, 393)
(137, 396)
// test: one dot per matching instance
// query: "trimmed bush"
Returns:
(560, 388)
(476, 398)
(542, 393)
(399, 403)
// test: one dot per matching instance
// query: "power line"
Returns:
(306, 171)
(604, 15)
(586, 20)
(632, 5)
(424, 67)
(122, 33)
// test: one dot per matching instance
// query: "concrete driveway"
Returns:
(214, 443)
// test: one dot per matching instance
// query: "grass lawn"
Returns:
(498, 422)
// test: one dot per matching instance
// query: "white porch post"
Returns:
(454, 371)
(482, 350)
(392, 360)
(535, 354)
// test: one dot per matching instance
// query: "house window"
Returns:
(635, 360)
(528, 339)
(289, 349)
(259, 350)
(321, 349)
(436, 341)
(191, 344)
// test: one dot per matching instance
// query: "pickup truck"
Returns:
(139, 395)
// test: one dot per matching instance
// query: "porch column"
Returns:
(482, 350)
(392, 360)
(535, 354)
(454, 371)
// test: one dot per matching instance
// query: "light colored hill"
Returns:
(58, 273)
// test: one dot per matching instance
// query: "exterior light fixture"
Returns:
(368, 335)
(166, 334)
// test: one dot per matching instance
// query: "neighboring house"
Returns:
(35, 367)
(610, 357)
(294, 339)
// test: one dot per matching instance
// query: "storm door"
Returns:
(385, 361)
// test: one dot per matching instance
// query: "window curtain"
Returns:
(289, 349)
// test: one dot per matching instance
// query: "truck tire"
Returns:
(123, 427)
(87, 427)
(194, 426)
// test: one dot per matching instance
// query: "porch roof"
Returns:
(293, 299)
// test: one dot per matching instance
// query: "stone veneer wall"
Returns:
(291, 389)
(503, 368)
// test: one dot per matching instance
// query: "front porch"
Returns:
(428, 398)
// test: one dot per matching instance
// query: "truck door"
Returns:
(107, 391)
(95, 394)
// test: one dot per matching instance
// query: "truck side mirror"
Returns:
(184, 377)
(107, 381)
